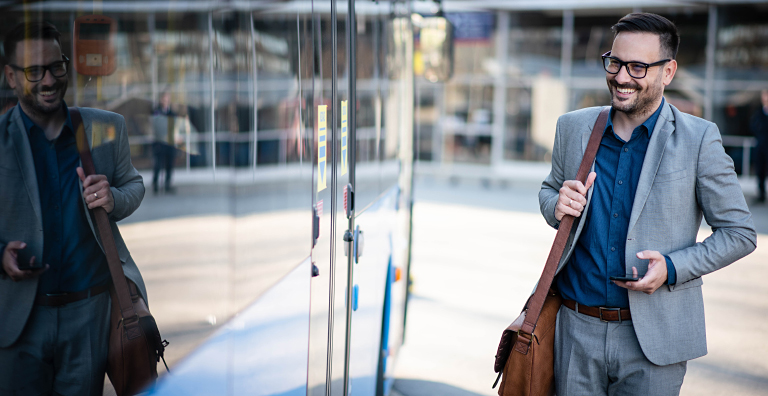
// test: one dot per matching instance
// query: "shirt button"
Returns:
(621, 182)
(626, 149)
(615, 215)
(613, 249)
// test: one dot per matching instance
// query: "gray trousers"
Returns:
(593, 357)
(62, 351)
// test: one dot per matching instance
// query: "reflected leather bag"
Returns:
(135, 345)
(525, 357)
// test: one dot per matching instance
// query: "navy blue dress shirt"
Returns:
(69, 246)
(599, 251)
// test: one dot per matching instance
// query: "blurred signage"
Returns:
(322, 132)
(472, 26)
(94, 47)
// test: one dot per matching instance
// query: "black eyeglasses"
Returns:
(635, 69)
(36, 73)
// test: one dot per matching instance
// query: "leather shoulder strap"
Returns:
(102, 222)
(536, 302)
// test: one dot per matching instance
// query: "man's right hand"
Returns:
(573, 197)
(11, 266)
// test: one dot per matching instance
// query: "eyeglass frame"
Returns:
(626, 65)
(46, 68)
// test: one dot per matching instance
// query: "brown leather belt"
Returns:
(602, 313)
(58, 299)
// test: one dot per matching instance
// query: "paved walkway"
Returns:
(477, 252)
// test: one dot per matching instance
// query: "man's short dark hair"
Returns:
(37, 30)
(645, 22)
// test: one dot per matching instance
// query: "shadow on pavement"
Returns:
(414, 387)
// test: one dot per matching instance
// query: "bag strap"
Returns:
(127, 313)
(536, 302)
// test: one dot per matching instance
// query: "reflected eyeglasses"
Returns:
(36, 73)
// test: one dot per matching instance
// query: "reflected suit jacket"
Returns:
(21, 214)
(686, 174)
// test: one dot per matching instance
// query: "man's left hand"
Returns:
(96, 191)
(654, 278)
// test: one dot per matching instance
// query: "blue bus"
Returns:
(276, 143)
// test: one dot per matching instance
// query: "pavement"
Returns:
(479, 246)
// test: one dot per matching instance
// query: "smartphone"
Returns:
(624, 278)
(22, 259)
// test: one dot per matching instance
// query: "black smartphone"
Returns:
(22, 259)
(624, 278)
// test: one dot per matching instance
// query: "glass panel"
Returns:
(742, 42)
(474, 44)
(535, 43)
(370, 38)
(732, 113)
(223, 144)
(467, 123)
(427, 116)
(518, 144)
(592, 37)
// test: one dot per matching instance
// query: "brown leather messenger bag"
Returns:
(135, 345)
(525, 355)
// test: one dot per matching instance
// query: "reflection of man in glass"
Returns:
(759, 126)
(54, 321)
(163, 148)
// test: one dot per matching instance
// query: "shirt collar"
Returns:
(649, 124)
(28, 123)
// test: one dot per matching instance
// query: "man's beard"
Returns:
(644, 98)
(32, 101)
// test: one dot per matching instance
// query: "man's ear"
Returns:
(9, 76)
(669, 71)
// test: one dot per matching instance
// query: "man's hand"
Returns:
(96, 191)
(573, 197)
(11, 265)
(654, 278)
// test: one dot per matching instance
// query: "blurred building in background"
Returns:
(521, 64)
(518, 65)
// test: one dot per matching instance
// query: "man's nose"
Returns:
(48, 78)
(623, 76)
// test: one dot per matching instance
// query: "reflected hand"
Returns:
(11, 265)
(96, 191)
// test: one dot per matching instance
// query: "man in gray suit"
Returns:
(656, 173)
(55, 319)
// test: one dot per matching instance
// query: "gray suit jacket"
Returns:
(686, 174)
(21, 215)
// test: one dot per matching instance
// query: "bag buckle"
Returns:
(601, 309)
(528, 338)
(119, 323)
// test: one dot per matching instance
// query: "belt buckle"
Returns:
(601, 309)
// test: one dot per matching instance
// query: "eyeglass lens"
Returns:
(636, 70)
(36, 73)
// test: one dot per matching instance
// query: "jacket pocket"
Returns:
(670, 176)
(695, 282)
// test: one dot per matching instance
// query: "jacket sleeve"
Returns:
(550, 187)
(127, 184)
(722, 202)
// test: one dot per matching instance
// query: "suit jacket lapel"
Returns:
(662, 131)
(26, 163)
